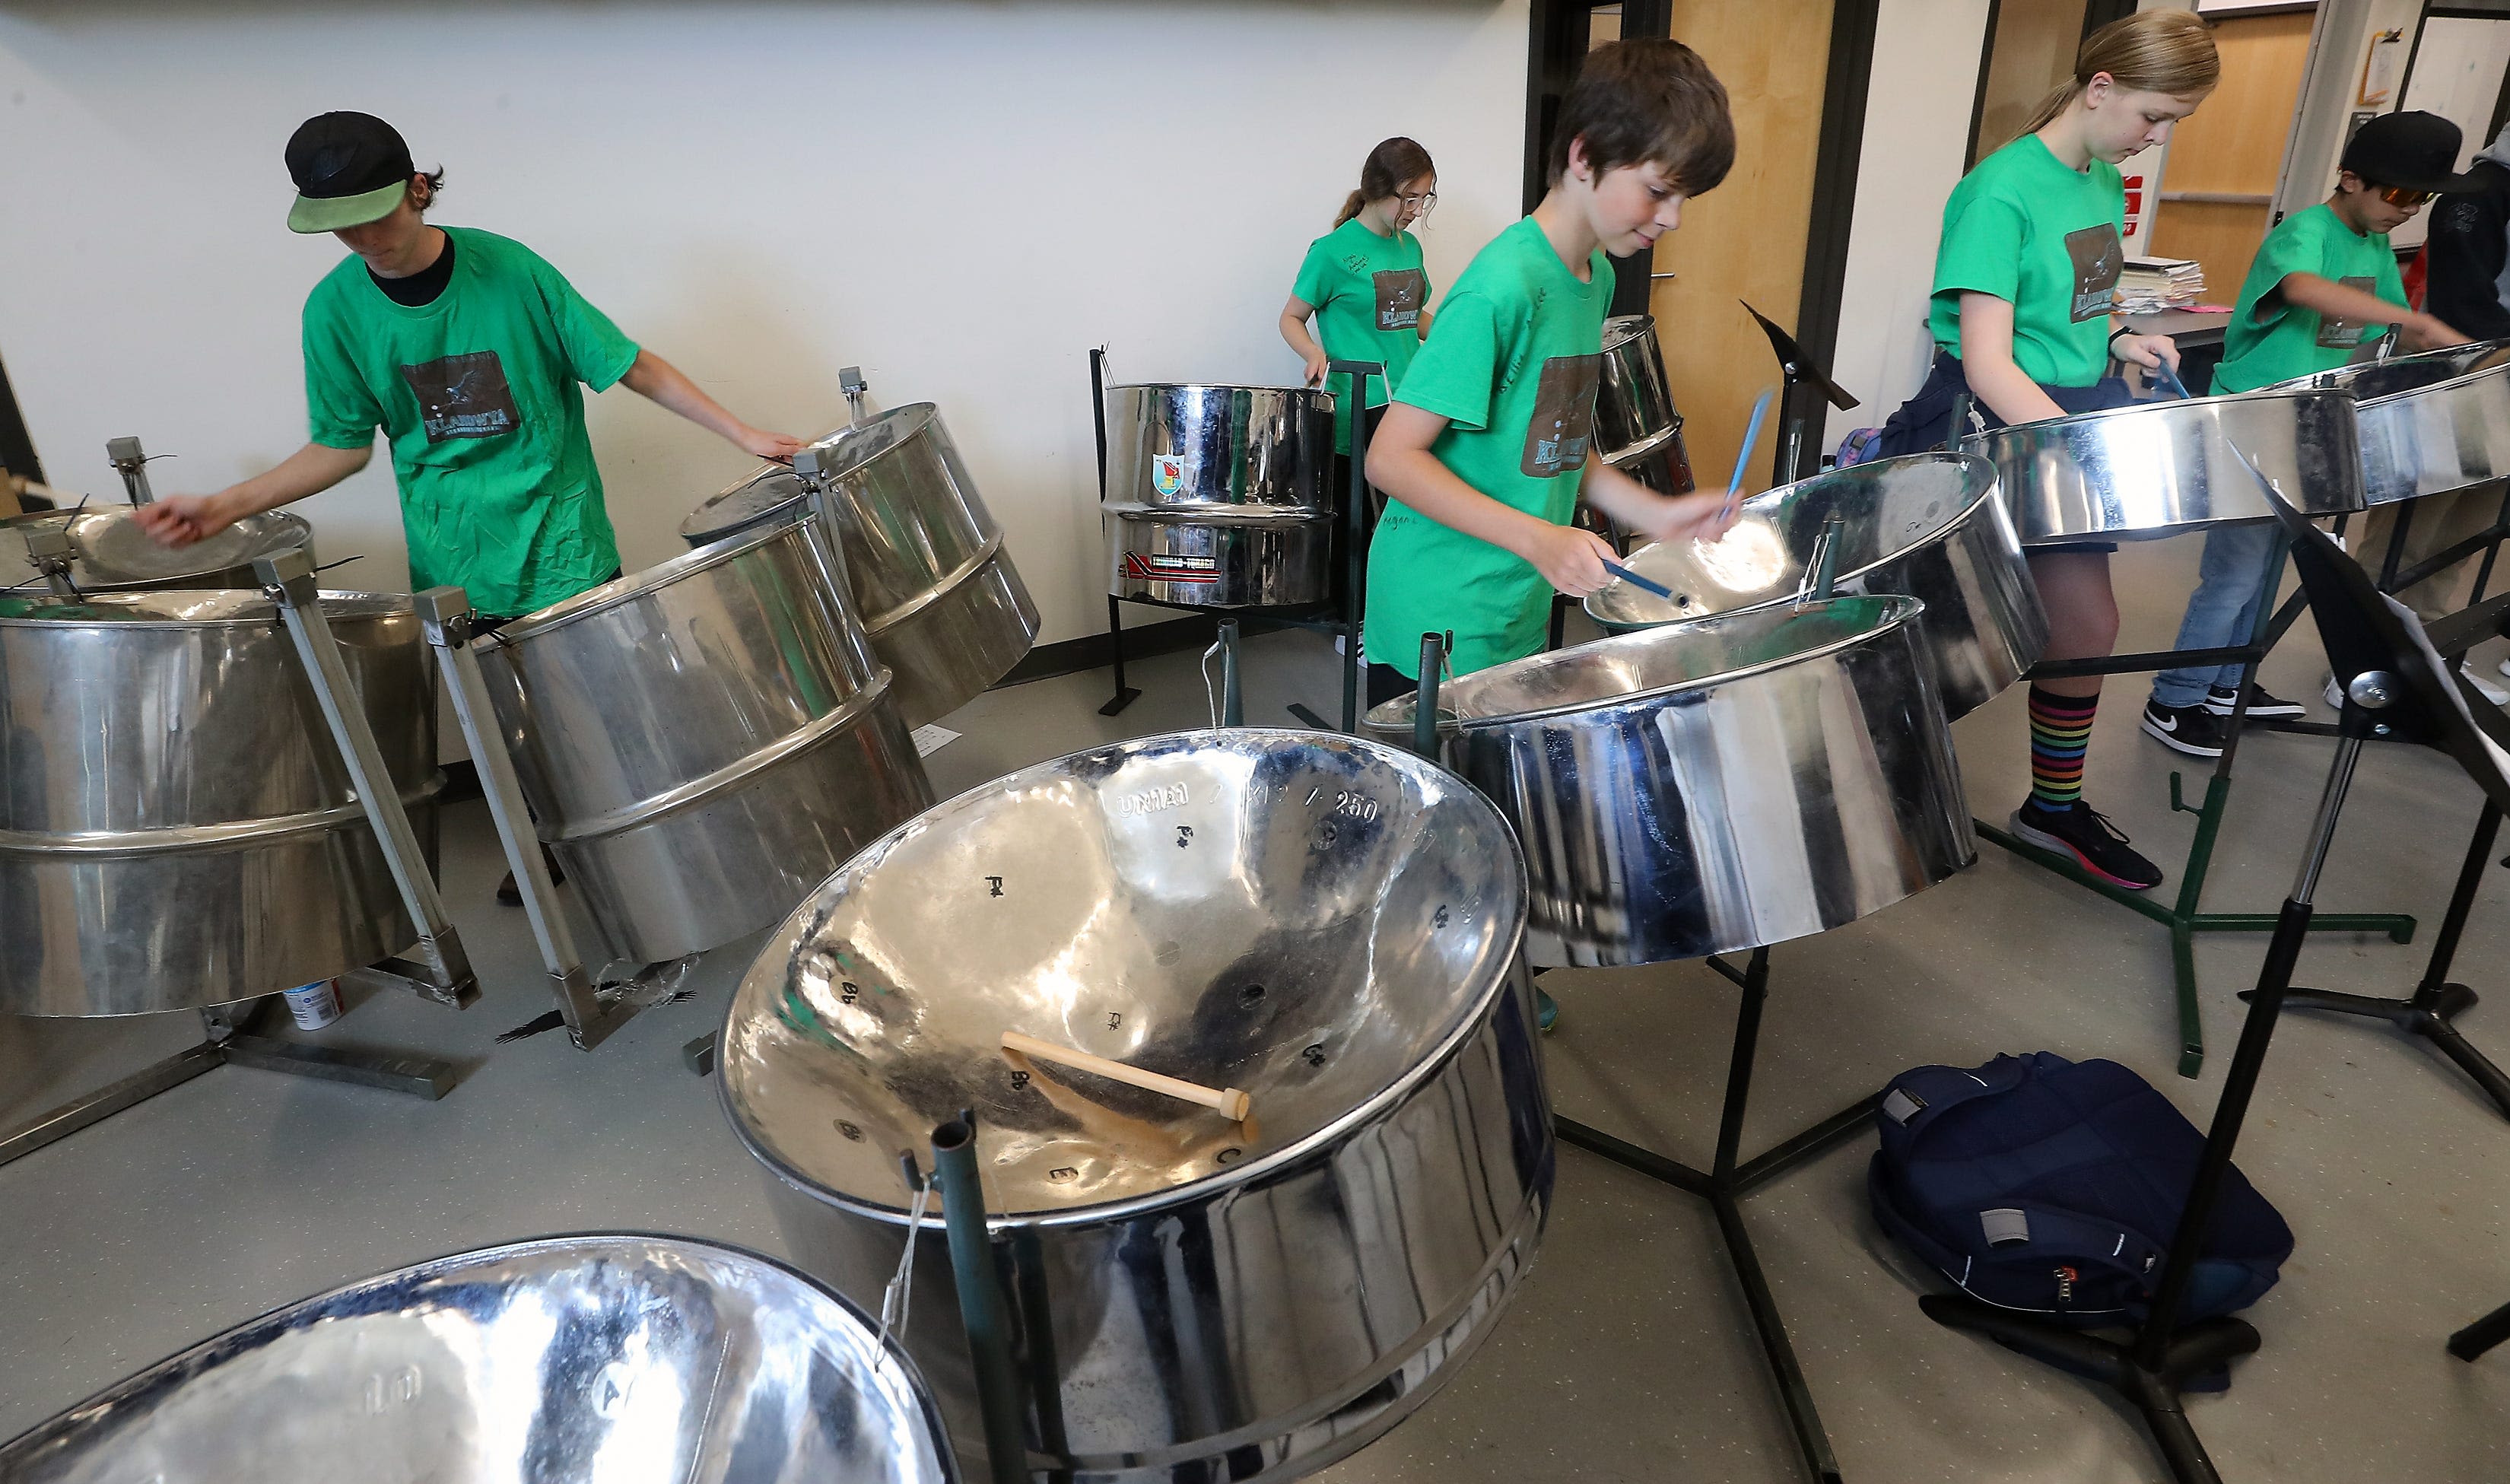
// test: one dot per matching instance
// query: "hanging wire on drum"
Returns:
(895, 1299)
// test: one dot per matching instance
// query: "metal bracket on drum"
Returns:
(442, 970)
(49, 547)
(133, 465)
(850, 382)
(445, 614)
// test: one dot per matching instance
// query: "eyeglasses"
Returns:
(2402, 199)
(1420, 206)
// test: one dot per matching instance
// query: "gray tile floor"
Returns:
(1627, 1354)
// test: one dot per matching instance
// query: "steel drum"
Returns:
(2160, 468)
(1327, 923)
(1220, 496)
(1930, 526)
(177, 826)
(599, 1359)
(704, 743)
(111, 553)
(1716, 785)
(923, 559)
(2431, 423)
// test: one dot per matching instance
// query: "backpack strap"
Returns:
(1920, 1096)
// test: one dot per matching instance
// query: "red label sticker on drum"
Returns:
(1167, 473)
(1166, 567)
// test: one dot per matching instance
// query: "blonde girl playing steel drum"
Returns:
(2024, 280)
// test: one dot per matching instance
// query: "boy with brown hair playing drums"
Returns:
(1489, 439)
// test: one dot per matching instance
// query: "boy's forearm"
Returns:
(662, 383)
(308, 471)
(2333, 300)
(1619, 496)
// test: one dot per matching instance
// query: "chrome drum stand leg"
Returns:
(446, 616)
(1729, 1181)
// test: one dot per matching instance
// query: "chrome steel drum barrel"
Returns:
(1634, 413)
(924, 561)
(1332, 926)
(1220, 496)
(2160, 468)
(111, 553)
(1715, 784)
(2430, 424)
(176, 828)
(569, 1361)
(1930, 525)
(705, 741)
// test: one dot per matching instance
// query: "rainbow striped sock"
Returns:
(2061, 728)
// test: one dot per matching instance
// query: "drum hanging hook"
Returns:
(900, 1292)
(1229, 702)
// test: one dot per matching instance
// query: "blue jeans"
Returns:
(2222, 611)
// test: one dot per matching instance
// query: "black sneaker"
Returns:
(2194, 730)
(2088, 836)
(2263, 704)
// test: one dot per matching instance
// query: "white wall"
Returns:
(960, 196)
(1917, 129)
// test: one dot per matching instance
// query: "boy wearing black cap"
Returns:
(2324, 283)
(466, 349)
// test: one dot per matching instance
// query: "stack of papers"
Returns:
(2149, 284)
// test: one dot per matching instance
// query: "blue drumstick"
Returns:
(2170, 381)
(1638, 582)
(1751, 442)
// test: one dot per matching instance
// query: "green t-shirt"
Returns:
(1368, 292)
(1512, 363)
(476, 395)
(2045, 239)
(2272, 339)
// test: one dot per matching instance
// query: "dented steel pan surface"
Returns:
(1329, 924)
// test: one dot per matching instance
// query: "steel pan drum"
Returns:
(1716, 785)
(2160, 468)
(1634, 413)
(2431, 423)
(176, 828)
(1219, 560)
(1930, 526)
(1196, 448)
(602, 1359)
(923, 559)
(111, 553)
(1327, 923)
(704, 743)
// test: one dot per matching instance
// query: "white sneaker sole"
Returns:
(2176, 742)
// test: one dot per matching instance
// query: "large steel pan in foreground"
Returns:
(923, 559)
(1930, 526)
(1327, 923)
(598, 1360)
(177, 826)
(111, 553)
(1716, 785)
(703, 742)
(2160, 468)
(2431, 423)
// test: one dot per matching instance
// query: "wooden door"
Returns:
(2219, 182)
(1745, 240)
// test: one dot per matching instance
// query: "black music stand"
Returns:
(2395, 688)
(1799, 370)
(2432, 1010)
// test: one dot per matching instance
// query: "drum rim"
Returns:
(339, 604)
(619, 590)
(2151, 405)
(2314, 381)
(1508, 951)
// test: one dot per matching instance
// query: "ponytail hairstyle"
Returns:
(1383, 173)
(2149, 52)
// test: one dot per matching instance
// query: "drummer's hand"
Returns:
(180, 521)
(1572, 559)
(2148, 350)
(1702, 515)
(1316, 366)
(778, 446)
(2427, 333)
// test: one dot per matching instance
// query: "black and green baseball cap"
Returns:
(350, 168)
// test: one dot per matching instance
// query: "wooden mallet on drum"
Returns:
(1228, 1102)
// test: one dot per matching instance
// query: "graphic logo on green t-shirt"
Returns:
(2097, 255)
(1399, 292)
(1564, 415)
(464, 397)
(2337, 333)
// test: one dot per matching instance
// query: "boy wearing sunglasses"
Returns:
(2323, 285)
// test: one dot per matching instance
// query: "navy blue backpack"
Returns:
(2051, 1185)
